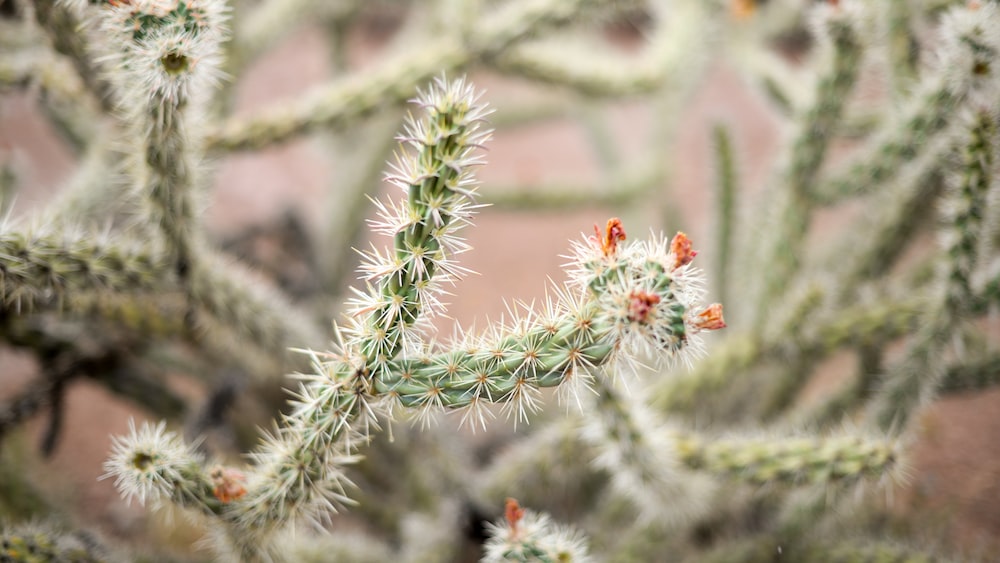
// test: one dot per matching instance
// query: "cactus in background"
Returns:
(35, 544)
(672, 446)
(524, 535)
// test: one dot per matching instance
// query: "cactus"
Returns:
(623, 300)
(679, 441)
(528, 536)
(34, 544)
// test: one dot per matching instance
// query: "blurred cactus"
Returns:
(671, 448)
(34, 544)
(528, 536)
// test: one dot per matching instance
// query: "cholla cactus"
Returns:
(170, 52)
(651, 461)
(623, 301)
(39, 544)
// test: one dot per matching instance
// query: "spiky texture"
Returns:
(151, 463)
(598, 318)
(915, 379)
(438, 186)
(45, 544)
(344, 101)
(526, 535)
(48, 267)
(643, 460)
(859, 324)
(804, 460)
(623, 301)
(783, 242)
(167, 49)
(170, 51)
(965, 70)
(625, 304)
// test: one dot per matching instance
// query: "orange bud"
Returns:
(640, 305)
(710, 318)
(513, 512)
(228, 484)
(613, 232)
(681, 247)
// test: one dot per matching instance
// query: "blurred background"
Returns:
(654, 102)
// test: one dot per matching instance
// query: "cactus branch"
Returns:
(785, 242)
(805, 460)
(915, 379)
(862, 323)
(342, 101)
(43, 268)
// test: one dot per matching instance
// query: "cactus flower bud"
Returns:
(680, 246)
(710, 318)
